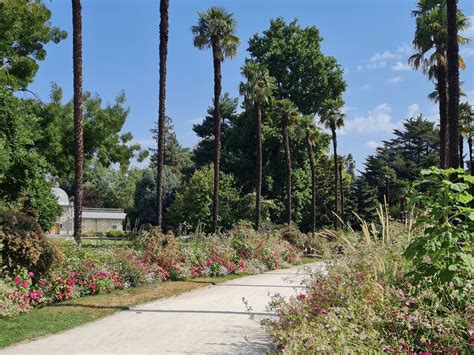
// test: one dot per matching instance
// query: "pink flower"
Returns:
(302, 296)
(62, 282)
(31, 274)
(42, 283)
(17, 280)
(25, 284)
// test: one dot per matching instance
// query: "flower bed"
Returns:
(152, 258)
(365, 303)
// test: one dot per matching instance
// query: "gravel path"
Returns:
(213, 319)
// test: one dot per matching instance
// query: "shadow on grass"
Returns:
(93, 306)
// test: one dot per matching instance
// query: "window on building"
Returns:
(61, 226)
(114, 226)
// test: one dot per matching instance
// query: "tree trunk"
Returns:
(313, 184)
(217, 132)
(341, 190)
(78, 118)
(258, 111)
(164, 5)
(336, 203)
(453, 83)
(443, 115)
(461, 152)
(469, 141)
(286, 142)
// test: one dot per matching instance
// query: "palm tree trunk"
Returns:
(469, 141)
(341, 191)
(453, 83)
(313, 184)
(217, 132)
(164, 5)
(443, 115)
(286, 143)
(78, 118)
(336, 203)
(461, 152)
(258, 111)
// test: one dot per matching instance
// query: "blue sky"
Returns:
(370, 39)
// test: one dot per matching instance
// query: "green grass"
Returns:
(69, 314)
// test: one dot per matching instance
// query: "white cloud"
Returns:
(405, 50)
(377, 120)
(380, 60)
(413, 110)
(374, 144)
(400, 66)
(359, 68)
(347, 109)
(394, 80)
(470, 31)
(364, 87)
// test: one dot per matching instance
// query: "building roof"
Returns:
(103, 213)
(62, 196)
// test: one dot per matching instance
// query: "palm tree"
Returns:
(334, 119)
(466, 116)
(216, 30)
(164, 6)
(257, 91)
(78, 118)
(286, 112)
(307, 131)
(431, 44)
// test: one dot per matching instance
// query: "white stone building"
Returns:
(95, 220)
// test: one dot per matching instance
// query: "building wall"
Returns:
(100, 225)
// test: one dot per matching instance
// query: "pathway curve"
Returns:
(213, 319)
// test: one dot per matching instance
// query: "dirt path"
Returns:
(209, 320)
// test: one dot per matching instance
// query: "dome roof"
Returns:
(61, 195)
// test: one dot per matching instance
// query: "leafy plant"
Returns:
(442, 254)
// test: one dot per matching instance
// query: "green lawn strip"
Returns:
(70, 314)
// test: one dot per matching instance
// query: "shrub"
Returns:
(114, 233)
(442, 255)
(193, 204)
(365, 303)
(23, 243)
(8, 307)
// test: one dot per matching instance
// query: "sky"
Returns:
(371, 40)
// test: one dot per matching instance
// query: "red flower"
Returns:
(42, 283)
(302, 296)
(17, 280)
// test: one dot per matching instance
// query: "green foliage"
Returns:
(110, 187)
(23, 244)
(442, 256)
(24, 31)
(364, 303)
(400, 159)
(364, 198)
(193, 205)
(115, 233)
(203, 153)
(23, 171)
(216, 29)
(145, 195)
(104, 141)
(303, 74)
